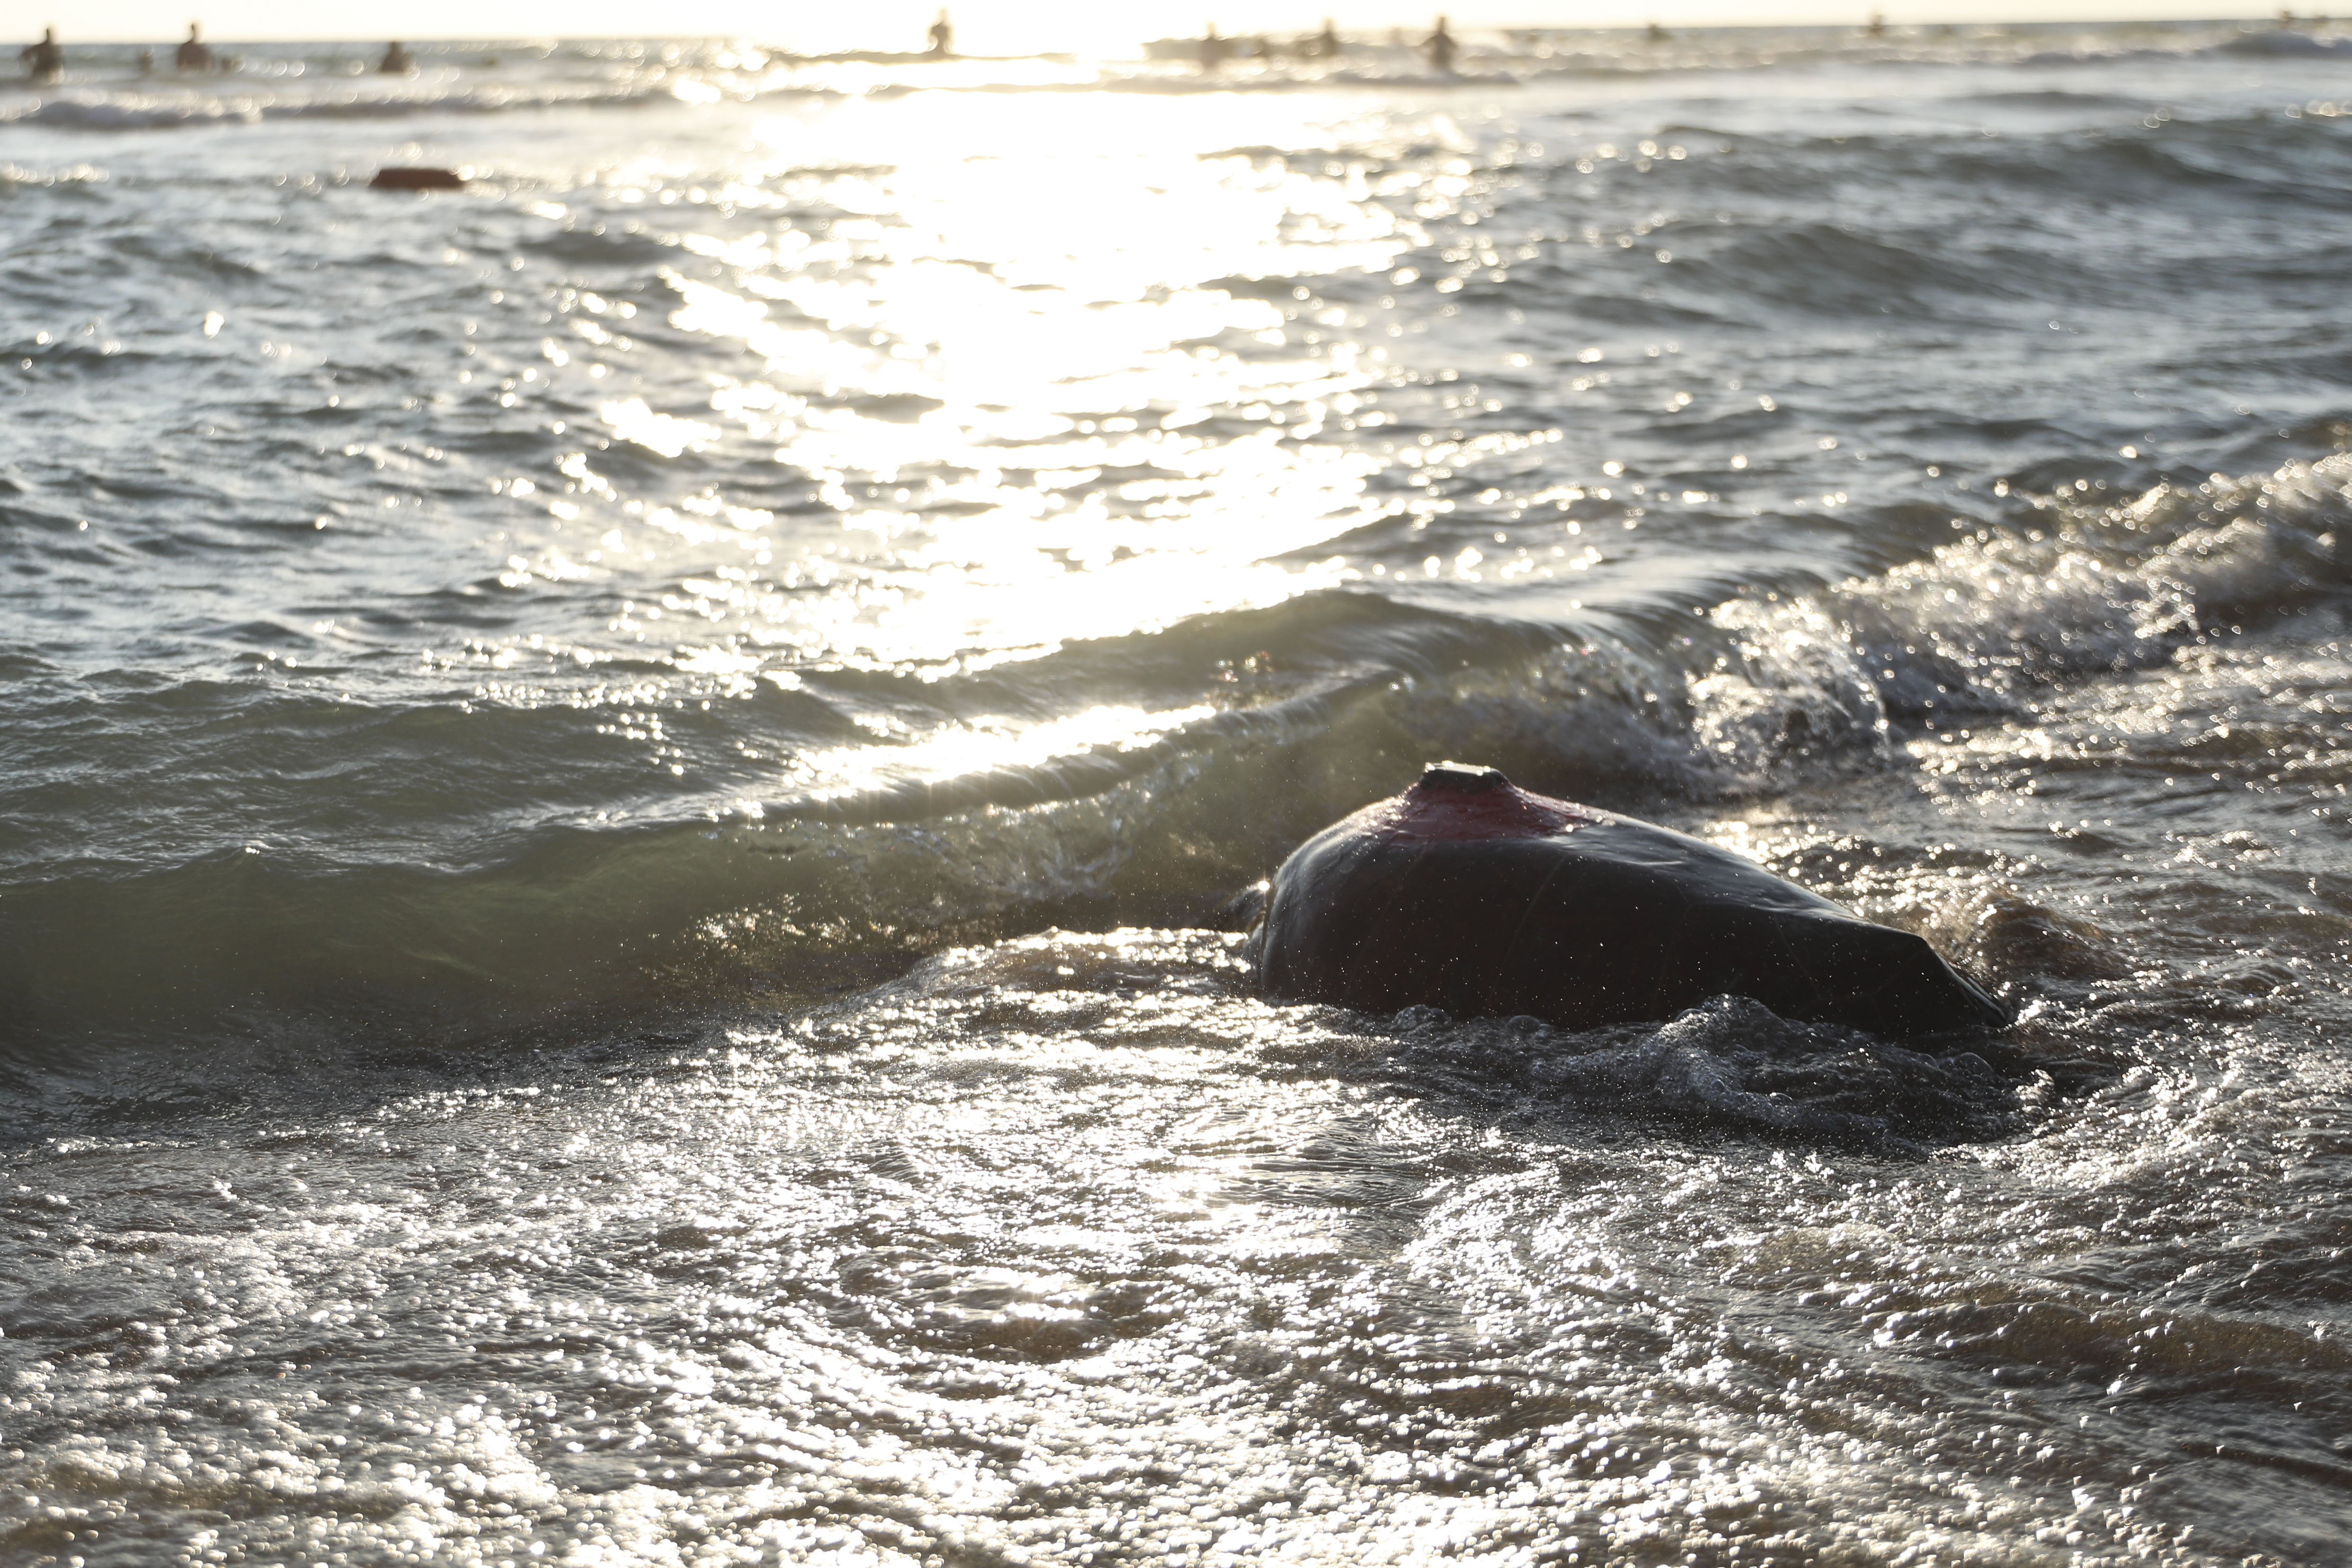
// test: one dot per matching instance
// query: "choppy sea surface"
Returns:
(621, 794)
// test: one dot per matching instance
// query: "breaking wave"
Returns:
(1974, 627)
(831, 889)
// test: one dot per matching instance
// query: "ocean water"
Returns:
(623, 796)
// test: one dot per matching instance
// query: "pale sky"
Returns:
(991, 26)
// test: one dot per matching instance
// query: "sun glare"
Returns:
(1061, 334)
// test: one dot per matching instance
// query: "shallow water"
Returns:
(619, 789)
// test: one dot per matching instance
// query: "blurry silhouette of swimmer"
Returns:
(1327, 42)
(146, 62)
(44, 61)
(943, 37)
(192, 55)
(396, 61)
(1439, 48)
(1213, 50)
(1658, 34)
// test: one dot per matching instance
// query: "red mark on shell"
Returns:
(1433, 809)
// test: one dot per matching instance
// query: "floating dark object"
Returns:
(1470, 895)
(417, 179)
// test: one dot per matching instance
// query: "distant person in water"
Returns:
(1439, 48)
(1877, 25)
(192, 55)
(146, 62)
(942, 37)
(396, 61)
(1327, 42)
(44, 61)
(1213, 50)
(1658, 34)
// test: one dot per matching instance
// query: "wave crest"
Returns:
(1975, 626)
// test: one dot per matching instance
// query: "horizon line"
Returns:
(2265, 20)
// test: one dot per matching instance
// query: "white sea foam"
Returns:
(1976, 625)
